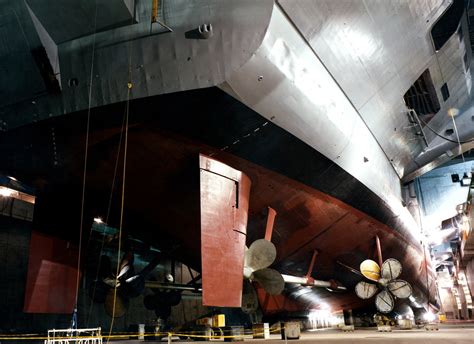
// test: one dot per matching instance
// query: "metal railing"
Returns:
(76, 336)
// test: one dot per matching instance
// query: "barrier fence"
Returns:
(99, 338)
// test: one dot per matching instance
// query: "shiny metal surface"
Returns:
(270, 280)
(437, 156)
(456, 73)
(370, 269)
(81, 21)
(391, 269)
(384, 302)
(310, 282)
(375, 50)
(261, 254)
(287, 83)
(171, 286)
(400, 288)
(161, 61)
(365, 290)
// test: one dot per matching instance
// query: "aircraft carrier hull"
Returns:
(319, 205)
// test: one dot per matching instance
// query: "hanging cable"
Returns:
(426, 124)
(423, 247)
(107, 217)
(444, 137)
(121, 208)
(459, 141)
(127, 112)
(85, 162)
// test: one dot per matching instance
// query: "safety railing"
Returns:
(94, 335)
(76, 336)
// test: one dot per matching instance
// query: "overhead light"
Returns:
(13, 178)
(466, 179)
(98, 220)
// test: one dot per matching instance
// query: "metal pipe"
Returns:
(191, 296)
(379, 250)
(159, 285)
(311, 265)
(309, 282)
(270, 220)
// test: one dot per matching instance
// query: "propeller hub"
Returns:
(248, 272)
(383, 282)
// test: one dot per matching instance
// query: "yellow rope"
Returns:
(85, 162)
(127, 335)
(154, 11)
(124, 170)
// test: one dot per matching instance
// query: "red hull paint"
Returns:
(224, 206)
(52, 276)
(163, 195)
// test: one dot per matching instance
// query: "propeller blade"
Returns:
(126, 265)
(384, 302)
(270, 280)
(260, 255)
(391, 269)
(365, 290)
(121, 304)
(112, 282)
(370, 270)
(249, 298)
(400, 288)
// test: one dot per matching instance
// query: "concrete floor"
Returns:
(458, 334)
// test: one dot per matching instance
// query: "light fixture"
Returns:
(466, 179)
(98, 220)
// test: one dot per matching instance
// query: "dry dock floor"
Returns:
(458, 334)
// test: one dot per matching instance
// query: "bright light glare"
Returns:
(98, 220)
(428, 316)
(13, 178)
(6, 192)
(453, 112)
(323, 318)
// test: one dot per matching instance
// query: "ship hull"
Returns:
(320, 206)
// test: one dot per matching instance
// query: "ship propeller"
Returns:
(390, 287)
(115, 291)
(257, 259)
